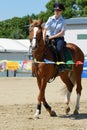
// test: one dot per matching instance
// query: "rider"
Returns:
(55, 29)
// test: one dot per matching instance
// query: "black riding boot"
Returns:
(62, 59)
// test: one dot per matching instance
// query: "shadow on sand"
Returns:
(76, 117)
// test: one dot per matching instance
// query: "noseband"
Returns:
(38, 39)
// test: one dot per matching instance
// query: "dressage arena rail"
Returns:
(25, 67)
(15, 67)
(15, 72)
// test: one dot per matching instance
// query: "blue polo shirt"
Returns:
(54, 26)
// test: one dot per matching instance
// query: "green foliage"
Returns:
(14, 28)
(73, 8)
(18, 28)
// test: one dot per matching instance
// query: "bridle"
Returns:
(36, 38)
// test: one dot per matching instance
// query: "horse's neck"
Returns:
(47, 53)
(42, 53)
(38, 55)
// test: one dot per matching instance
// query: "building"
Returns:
(76, 32)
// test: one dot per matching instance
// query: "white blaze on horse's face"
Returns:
(34, 37)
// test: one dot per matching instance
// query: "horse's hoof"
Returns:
(67, 110)
(53, 114)
(76, 112)
(36, 116)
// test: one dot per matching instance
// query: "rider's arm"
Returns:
(60, 34)
(44, 33)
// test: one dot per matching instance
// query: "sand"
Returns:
(18, 99)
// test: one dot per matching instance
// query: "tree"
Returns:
(19, 27)
(14, 28)
(73, 8)
(49, 11)
(82, 4)
(16, 34)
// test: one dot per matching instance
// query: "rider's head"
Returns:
(58, 6)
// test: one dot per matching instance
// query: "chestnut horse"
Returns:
(44, 72)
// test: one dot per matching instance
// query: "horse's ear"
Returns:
(30, 20)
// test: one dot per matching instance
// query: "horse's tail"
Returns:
(71, 77)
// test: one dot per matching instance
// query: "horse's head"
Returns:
(36, 34)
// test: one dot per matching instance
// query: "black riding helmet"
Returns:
(58, 6)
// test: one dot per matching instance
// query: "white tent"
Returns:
(14, 50)
(11, 45)
(11, 49)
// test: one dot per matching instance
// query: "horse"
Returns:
(44, 72)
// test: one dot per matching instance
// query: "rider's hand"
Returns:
(51, 37)
(46, 39)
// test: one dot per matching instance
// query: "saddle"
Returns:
(66, 53)
(67, 57)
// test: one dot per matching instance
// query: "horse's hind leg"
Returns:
(78, 89)
(69, 85)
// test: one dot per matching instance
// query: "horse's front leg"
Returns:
(41, 98)
(38, 109)
(48, 108)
